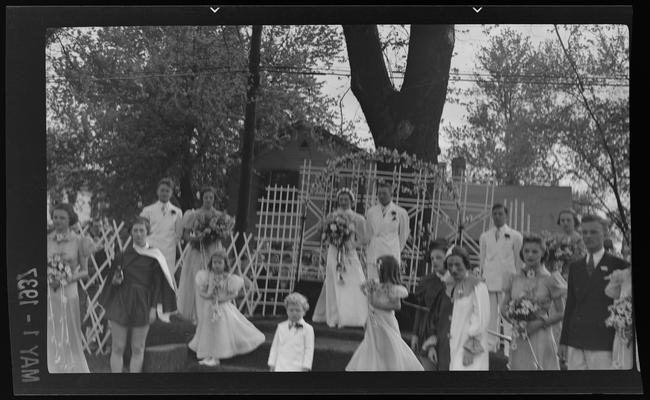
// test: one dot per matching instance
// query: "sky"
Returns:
(468, 40)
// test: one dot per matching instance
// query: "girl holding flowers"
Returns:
(341, 302)
(222, 331)
(528, 297)
(204, 228)
(68, 255)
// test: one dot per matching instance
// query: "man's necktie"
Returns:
(164, 209)
(497, 233)
(590, 264)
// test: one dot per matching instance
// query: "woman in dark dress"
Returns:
(137, 284)
(431, 327)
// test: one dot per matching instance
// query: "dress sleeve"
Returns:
(360, 227)
(235, 283)
(398, 292)
(201, 279)
(613, 288)
(85, 248)
(480, 318)
(555, 287)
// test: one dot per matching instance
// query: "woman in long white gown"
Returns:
(470, 317)
(65, 352)
(341, 301)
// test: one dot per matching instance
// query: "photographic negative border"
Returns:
(26, 192)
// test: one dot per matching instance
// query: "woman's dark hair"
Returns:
(67, 207)
(538, 240)
(389, 271)
(438, 244)
(576, 219)
(141, 221)
(221, 254)
(205, 189)
(166, 182)
(459, 252)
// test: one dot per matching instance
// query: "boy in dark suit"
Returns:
(586, 343)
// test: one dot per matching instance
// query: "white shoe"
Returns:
(211, 362)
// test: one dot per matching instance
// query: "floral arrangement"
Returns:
(338, 231)
(561, 250)
(58, 270)
(370, 286)
(620, 318)
(521, 311)
(430, 173)
(209, 228)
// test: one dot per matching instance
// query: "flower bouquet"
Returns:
(338, 231)
(209, 228)
(58, 270)
(521, 311)
(620, 318)
(561, 251)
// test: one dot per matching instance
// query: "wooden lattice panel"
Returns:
(113, 238)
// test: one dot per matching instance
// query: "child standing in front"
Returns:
(383, 348)
(222, 331)
(293, 344)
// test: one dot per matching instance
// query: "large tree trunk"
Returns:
(406, 120)
(246, 177)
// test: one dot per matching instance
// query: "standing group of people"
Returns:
(512, 267)
(455, 328)
(140, 286)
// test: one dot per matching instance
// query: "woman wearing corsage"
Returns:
(341, 302)
(619, 288)
(138, 284)
(202, 228)
(68, 255)
(470, 316)
(527, 305)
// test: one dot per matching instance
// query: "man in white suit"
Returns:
(166, 223)
(499, 257)
(387, 228)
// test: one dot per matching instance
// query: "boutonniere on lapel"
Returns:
(604, 268)
(506, 235)
(173, 212)
(394, 215)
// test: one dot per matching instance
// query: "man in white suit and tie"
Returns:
(499, 257)
(166, 223)
(387, 227)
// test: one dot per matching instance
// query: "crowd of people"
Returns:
(462, 310)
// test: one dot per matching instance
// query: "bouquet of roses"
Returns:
(370, 286)
(561, 251)
(58, 270)
(338, 231)
(620, 318)
(223, 225)
(206, 230)
(521, 311)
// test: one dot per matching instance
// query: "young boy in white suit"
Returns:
(293, 344)
(499, 257)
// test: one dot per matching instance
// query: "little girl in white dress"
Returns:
(222, 331)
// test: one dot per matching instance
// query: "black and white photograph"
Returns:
(241, 199)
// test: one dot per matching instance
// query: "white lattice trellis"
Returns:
(113, 237)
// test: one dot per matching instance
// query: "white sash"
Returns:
(158, 256)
